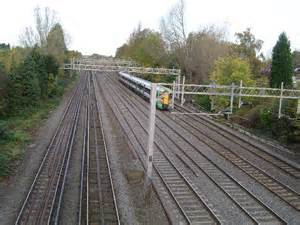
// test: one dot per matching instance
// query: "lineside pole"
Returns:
(231, 98)
(151, 131)
(298, 108)
(182, 91)
(280, 101)
(178, 86)
(240, 97)
(173, 94)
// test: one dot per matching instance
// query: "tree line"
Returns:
(205, 54)
(31, 83)
(30, 73)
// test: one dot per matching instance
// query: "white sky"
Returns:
(100, 26)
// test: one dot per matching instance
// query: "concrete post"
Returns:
(177, 86)
(298, 108)
(231, 98)
(182, 91)
(212, 97)
(280, 101)
(151, 131)
(240, 92)
(173, 94)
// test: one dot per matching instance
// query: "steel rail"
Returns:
(96, 90)
(295, 202)
(213, 180)
(291, 170)
(139, 156)
(46, 154)
(280, 189)
(189, 185)
(117, 109)
(61, 166)
(66, 169)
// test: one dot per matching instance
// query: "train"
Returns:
(143, 87)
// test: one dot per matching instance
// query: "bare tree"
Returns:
(173, 26)
(28, 38)
(44, 22)
(204, 48)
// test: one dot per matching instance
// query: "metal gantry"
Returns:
(234, 91)
(117, 65)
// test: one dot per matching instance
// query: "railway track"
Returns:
(278, 188)
(256, 150)
(98, 202)
(43, 200)
(247, 202)
(193, 208)
(283, 191)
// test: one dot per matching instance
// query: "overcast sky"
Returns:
(100, 26)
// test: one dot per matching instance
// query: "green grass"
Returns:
(17, 131)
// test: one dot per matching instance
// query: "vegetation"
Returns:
(205, 56)
(282, 64)
(31, 84)
(145, 47)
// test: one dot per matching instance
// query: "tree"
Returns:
(145, 47)
(24, 90)
(44, 22)
(230, 70)
(248, 48)
(4, 47)
(282, 65)
(296, 58)
(174, 33)
(3, 89)
(56, 45)
(173, 27)
(203, 49)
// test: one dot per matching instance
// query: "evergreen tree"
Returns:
(282, 66)
(24, 90)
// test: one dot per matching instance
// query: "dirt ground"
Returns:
(14, 189)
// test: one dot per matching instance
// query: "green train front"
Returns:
(143, 87)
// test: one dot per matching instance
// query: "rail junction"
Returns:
(203, 172)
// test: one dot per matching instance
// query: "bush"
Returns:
(265, 118)
(4, 132)
(203, 101)
(4, 163)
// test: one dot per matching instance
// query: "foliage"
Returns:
(4, 47)
(230, 70)
(248, 48)
(145, 47)
(282, 67)
(203, 101)
(24, 90)
(56, 45)
(45, 19)
(203, 49)
(3, 89)
(296, 58)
